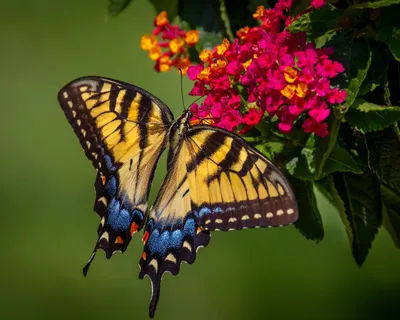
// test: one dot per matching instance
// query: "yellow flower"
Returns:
(155, 53)
(221, 49)
(247, 63)
(165, 64)
(259, 12)
(288, 91)
(161, 19)
(176, 44)
(205, 55)
(204, 74)
(301, 90)
(148, 42)
(192, 37)
(290, 74)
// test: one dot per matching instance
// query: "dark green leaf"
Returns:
(363, 210)
(115, 7)
(340, 160)
(316, 22)
(203, 15)
(208, 40)
(365, 116)
(357, 66)
(384, 156)
(171, 6)
(377, 72)
(391, 213)
(394, 46)
(375, 4)
(310, 222)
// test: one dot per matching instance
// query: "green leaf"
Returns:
(208, 40)
(384, 155)
(115, 7)
(375, 4)
(317, 22)
(302, 163)
(391, 213)
(340, 160)
(307, 163)
(365, 116)
(363, 210)
(171, 6)
(310, 222)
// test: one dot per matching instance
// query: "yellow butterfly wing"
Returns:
(123, 131)
(215, 181)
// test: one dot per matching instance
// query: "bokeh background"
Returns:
(48, 228)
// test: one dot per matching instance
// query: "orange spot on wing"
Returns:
(103, 179)
(145, 237)
(144, 255)
(119, 240)
(134, 228)
(199, 230)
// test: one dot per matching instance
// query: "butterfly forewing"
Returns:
(123, 130)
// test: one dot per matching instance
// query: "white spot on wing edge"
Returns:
(279, 212)
(290, 211)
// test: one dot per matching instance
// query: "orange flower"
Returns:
(205, 55)
(242, 33)
(161, 19)
(259, 12)
(192, 37)
(219, 65)
(183, 64)
(221, 49)
(176, 44)
(148, 42)
(290, 74)
(289, 91)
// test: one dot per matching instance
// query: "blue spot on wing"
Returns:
(204, 211)
(153, 240)
(111, 186)
(218, 210)
(109, 162)
(163, 243)
(138, 213)
(189, 227)
(118, 219)
(176, 239)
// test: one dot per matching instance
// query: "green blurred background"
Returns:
(48, 228)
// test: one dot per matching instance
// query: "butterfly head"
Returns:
(179, 128)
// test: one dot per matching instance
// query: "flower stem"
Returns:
(225, 20)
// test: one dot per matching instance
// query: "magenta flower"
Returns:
(329, 68)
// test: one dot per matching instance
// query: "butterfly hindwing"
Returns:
(123, 131)
(215, 181)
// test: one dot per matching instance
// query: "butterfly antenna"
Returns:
(183, 100)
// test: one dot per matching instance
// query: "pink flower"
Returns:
(193, 71)
(317, 3)
(329, 68)
(252, 117)
(336, 96)
(320, 129)
(322, 87)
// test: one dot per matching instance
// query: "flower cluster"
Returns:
(268, 70)
(168, 45)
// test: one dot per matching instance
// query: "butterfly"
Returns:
(215, 180)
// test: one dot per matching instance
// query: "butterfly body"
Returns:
(215, 180)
